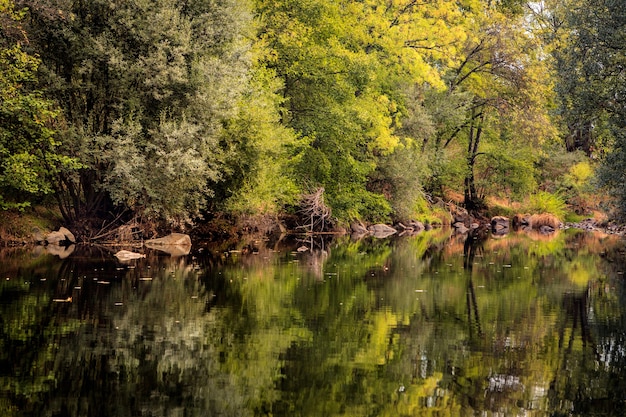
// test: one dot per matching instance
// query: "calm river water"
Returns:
(430, 325)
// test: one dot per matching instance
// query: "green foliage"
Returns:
(29, 148)
(590, 84)
(262, 152)
(612, 175)
(170, 109)
(429, 213)
(400, 178)
(146, 88)
(544, 202)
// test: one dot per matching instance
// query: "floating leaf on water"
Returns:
(145, 279)
(506, 266)
(63, 300)
(119, 304)
(104, 282)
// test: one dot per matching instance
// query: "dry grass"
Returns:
(537, 221)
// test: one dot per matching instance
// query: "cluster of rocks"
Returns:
(382, 231)
(60, 242)
(592, 225)
(175, 244)
(545, 224)
(61, 237)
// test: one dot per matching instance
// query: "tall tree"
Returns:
(506, 83)
(146, 88)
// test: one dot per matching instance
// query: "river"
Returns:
(429, 325)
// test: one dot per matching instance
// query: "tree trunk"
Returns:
(472, 200)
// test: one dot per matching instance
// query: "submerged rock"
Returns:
(125, 255)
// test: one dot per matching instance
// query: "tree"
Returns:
(146, 88)
(29, 146)
(592, 83)
(346, 68)
(503, 78)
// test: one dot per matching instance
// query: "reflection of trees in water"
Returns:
(590, 354)
(384, 335)
(472, 246)
(137, 340)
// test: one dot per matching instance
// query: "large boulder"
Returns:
(381, 230)
(176, 244)
(60, 237)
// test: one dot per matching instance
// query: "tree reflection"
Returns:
(371, 327)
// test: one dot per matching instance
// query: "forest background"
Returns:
(178, 112)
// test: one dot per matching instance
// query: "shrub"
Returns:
(544, 202)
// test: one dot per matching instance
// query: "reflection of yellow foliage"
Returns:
(579, 275)
(376, 351)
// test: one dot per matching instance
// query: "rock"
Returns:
(500, 224)
(417, 226)
(460, 228)
(176, 244)
(60, 237)
(38, 235)
(358, 229)
(381, 230)
(546, 230)
(179, 239)
(68, 235)
(125, 255)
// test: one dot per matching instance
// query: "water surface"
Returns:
(430, 325)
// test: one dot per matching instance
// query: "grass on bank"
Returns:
(18, 226)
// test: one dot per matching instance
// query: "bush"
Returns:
(544, 202)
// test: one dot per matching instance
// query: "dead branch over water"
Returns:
(315, 211)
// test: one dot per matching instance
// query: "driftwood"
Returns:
(315, 211)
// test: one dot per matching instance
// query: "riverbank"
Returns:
(22, 227)
(27, 227)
